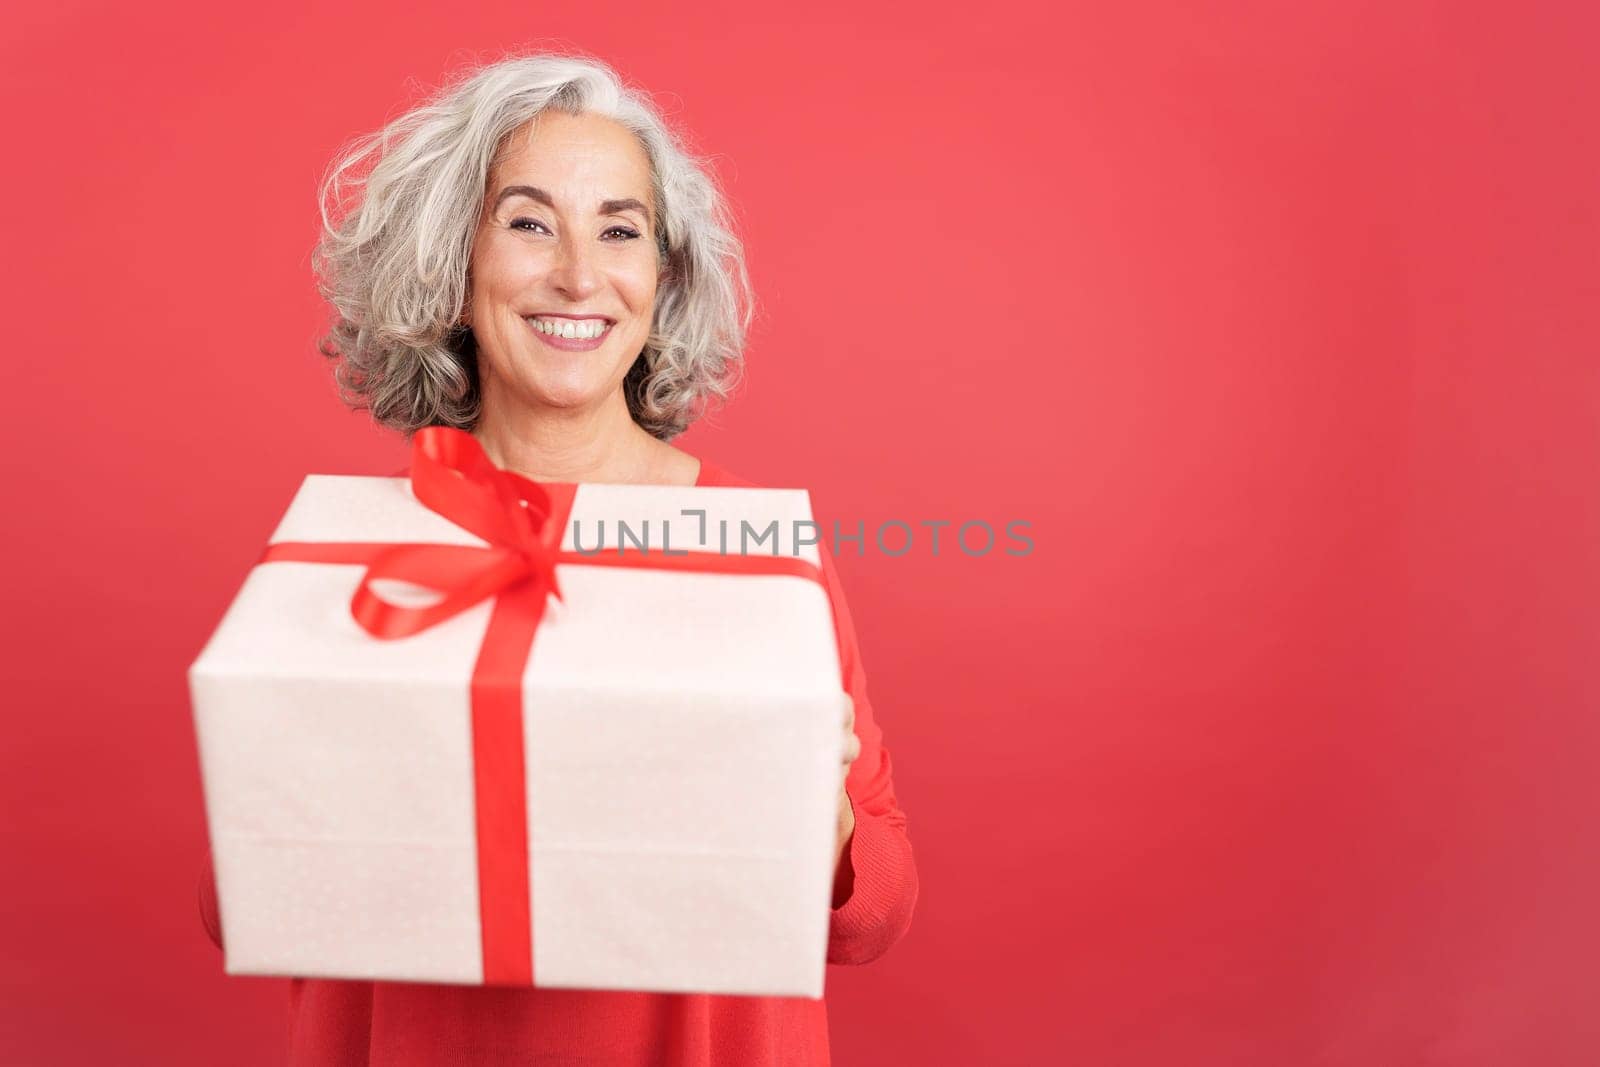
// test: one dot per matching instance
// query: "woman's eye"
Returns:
(627, 233)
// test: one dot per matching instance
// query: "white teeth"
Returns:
(575, 328)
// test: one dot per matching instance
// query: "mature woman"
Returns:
(533, 258)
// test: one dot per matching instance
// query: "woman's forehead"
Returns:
(562, 139)
(566, 156)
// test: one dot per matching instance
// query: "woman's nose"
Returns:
(575, 274)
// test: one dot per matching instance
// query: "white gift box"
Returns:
(682, 732)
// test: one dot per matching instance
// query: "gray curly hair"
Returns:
(394, 265)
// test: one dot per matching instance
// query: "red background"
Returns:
(1277, 322)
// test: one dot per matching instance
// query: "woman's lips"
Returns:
(570, 344)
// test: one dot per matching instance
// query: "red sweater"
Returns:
(336, 1023)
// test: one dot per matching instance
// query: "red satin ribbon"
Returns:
(522, 521)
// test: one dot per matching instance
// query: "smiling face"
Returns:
(564, 265)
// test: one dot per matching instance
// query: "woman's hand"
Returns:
(847, 815)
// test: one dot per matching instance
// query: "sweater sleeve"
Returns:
(881, 879)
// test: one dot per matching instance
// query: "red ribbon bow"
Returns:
(522, 521)
(451, 474)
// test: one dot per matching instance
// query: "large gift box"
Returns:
(448, 732)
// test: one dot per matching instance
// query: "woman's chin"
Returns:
(567, 396)
(568, 381)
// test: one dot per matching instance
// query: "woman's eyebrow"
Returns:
(607, 207)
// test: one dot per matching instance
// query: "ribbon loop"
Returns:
(452, 475)
(465, 574)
